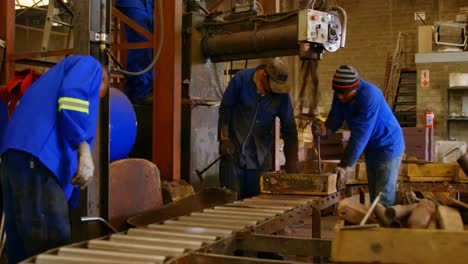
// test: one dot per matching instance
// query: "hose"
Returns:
(158, 52)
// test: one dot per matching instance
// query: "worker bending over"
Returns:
(374, 131)
(46, 155)
(138, 88)
(250, 104)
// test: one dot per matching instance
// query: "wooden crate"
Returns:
(460, 175)
(427, 172)
(419, 142)
(357, 172)
(398, 245)
(304, 184)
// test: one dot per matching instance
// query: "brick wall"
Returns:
(373, 28)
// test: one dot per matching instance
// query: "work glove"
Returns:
(340, 177)
(318, 128)
(84, 174)
(227, 149)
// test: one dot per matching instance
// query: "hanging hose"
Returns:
(158, 52)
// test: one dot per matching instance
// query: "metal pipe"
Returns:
(99, 219)
(264, 42)
(344, 25)
(102, 26)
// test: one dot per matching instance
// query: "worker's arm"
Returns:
(335, 117)
(229, 101)
(289, 132)
(78, 100)
(361, 130)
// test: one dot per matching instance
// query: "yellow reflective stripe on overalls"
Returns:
(73, 104)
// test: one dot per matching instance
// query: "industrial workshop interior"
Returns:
(233, 131)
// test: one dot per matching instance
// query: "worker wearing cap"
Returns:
(46, 155)
(374, 131)
(250, 104)
(138, 88)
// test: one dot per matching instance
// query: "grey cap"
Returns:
(277, 73)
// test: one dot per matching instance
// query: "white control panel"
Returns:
(313, 26)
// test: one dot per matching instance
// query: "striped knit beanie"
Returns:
(345, 79)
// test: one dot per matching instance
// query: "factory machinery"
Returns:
(190, 232)
(222, 231)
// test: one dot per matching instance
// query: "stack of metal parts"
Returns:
(178, 237)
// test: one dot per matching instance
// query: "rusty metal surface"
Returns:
(167, 88)
(134, 188)
(205, 199)
(291, 217)
(178, 240)
(285, 245)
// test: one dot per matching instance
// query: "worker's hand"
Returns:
(227, 148)
(291, 166)
(340, 177)
(85, 171)
(318, 128)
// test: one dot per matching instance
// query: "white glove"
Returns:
(341, 177)
(85, 171)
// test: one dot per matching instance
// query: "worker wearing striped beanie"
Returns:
(345, 79)
(374, 131)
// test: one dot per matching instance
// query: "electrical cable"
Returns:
(156, 57)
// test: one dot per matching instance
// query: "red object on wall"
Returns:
(12, 92)
(429, 119)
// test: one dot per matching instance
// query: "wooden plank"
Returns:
(427, 170)
(460, 176)
(425, 179)
(307, 184)
(399, 245)
(449, 218)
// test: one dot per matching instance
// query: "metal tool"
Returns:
(362, 224)
(200, 173)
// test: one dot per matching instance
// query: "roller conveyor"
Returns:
(169, 240)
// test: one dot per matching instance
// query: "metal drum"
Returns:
(123, 125)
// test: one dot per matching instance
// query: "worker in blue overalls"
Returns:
(46, 154)
(138, 88)
(3, 118)
(249, 107)
(374, 131)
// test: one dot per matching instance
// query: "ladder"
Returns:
(54, 9)
(404, 106)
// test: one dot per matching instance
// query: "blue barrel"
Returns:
(123, 125)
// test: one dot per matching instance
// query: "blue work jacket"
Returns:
(141, 4)
(56, 113)
(374, 129)
(3, 118)
(247, 118)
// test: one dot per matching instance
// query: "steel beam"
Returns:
(285, 245)
(94, 200)
(7, 33)
(167, 93)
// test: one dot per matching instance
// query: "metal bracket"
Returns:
(98, 37)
